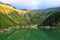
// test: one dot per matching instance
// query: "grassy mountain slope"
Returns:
(10, 16)
(5, 9)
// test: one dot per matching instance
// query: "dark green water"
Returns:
(31, 34)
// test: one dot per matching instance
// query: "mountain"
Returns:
(10, 16)
(7, 9)
(55, 8)
(48, 17)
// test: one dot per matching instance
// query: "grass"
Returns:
(10, 16)
(31, 34)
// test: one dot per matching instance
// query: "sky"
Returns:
(33, 4)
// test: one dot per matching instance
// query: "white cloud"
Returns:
(53, 2)
(56, 1)
(6, 1)
(33, 4)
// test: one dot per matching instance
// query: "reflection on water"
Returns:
(47, 27)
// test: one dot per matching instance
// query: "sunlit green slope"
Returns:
(10, 16)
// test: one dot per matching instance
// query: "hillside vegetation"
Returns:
(5, 9)
(11, 17)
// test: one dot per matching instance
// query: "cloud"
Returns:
(6, 1)
(52, 3)
(33, 4)
(29, 4)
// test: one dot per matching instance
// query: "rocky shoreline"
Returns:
(18, 27)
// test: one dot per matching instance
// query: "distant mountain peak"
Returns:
(54, 8)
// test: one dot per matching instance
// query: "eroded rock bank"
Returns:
(31, 27)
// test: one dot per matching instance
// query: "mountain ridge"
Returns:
(7, 9)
